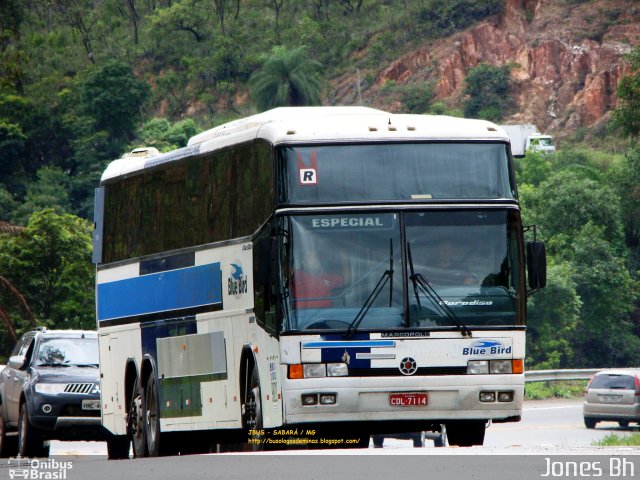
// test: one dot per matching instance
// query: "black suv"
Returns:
(50, 389)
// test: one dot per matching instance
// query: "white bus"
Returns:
(312, 275)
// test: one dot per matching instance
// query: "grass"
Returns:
(613, 440)
(543, 390)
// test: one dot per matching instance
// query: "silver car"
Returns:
(614, 396)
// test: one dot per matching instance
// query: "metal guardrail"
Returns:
(555, 375)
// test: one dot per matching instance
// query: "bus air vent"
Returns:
(142, 152)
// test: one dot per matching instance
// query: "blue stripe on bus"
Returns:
(161, 292)
(354, 344)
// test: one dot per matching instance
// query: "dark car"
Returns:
(50, 389)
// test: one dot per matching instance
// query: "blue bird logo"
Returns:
(237, 271)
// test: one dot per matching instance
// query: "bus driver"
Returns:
(314, 285)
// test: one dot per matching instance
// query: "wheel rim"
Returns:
(151, 413)
(136, 423)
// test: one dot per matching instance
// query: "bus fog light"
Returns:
(505, 396)
(487, 397)
(309, 399)
(327, 399)
(46, 408)
(477, 367)
(337, 370)
(500, 366)
(315, 370)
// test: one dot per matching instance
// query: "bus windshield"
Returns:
(394, 172)
(471, 262)
(346, 269)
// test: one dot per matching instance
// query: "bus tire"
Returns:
(253, 413)
(152, 417)
(466, 433)
(136, 422)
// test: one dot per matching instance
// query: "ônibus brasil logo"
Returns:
(486, 347)
(237, 282)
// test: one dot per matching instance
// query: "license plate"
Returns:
(408, 399)
(90, 404)
(611, 398)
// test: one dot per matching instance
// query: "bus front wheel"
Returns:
(253, 413)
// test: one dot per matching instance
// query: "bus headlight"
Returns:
(500, 366)
(482, 367)
(337, 370)
(318, 370)
(314, 370)
(477, 367)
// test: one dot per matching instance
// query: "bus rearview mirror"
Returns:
(536, 265)
(264, 258)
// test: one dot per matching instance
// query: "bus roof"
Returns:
(291, 125)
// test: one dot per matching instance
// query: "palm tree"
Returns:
(7, 228)
(287, 78)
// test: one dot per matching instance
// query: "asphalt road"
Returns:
(551, 435)
(546, 424)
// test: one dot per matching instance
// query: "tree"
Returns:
(553, 315)
(160, 133)
(51, 190)
(488, 92)
(626, 180)
(287, 77)
(50, 263)
(113, 97)
(626, 116)
(82, 16)
(6, 230)
(567, 201)
(579, 217)
(604, 334)
(12, 58)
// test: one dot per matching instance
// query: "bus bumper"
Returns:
(374, 399)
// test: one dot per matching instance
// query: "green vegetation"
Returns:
(287, 77)
(585, 316)
(613, 440)
(488, 92)
(543, 390)
(49, 262)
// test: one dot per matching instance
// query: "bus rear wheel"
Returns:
(136, 422)
(158, 444)
(466, 433)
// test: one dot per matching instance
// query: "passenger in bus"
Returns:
(314, 284)
(446, 269)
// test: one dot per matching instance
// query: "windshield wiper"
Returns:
(51, 364)
(86, 365)
(386, 276)
(421, 283)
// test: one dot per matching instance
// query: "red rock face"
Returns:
(567, 59)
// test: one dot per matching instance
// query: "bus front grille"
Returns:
(395, 372)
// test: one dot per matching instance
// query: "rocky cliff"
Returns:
(566, 57)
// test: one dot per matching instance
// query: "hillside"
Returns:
(566, 58)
